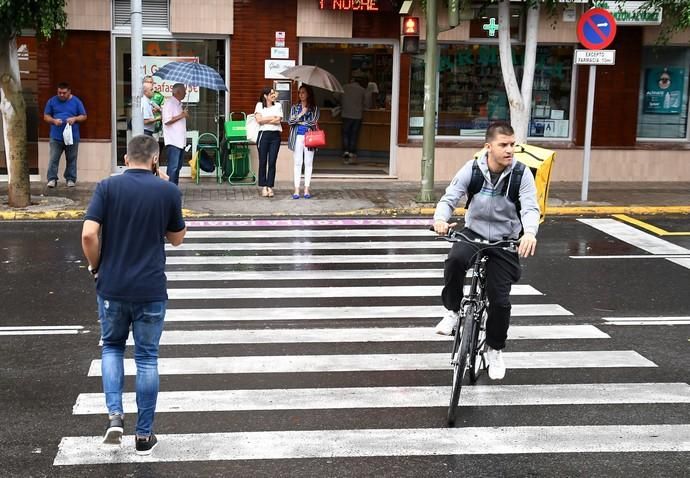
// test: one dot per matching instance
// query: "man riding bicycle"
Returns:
(493, 216)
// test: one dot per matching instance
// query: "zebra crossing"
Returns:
(339, 320)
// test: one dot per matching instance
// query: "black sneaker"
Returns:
(114, 430)
(144, 446)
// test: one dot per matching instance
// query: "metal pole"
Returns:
(588, 131)
(431, 68)
(137, 51)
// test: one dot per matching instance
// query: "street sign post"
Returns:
(595, 30)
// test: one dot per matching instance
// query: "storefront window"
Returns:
(663, 110)
(471, 93)
(204, 105)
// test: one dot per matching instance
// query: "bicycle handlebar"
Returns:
(456, 236)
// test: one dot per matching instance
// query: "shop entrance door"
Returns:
(371, 65)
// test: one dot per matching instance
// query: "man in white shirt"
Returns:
(175, 130)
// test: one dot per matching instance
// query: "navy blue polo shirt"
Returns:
(135, 210)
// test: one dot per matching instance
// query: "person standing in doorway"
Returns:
(269, 115)
(175, 130)
(303, 117)
(61, 110)
(353, 102)
(123, 237)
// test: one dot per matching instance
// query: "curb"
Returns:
(420, 211)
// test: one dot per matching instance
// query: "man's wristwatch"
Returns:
(92, 270)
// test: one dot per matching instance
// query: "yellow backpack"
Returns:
(539, 161)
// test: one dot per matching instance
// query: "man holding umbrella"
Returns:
(175, 130)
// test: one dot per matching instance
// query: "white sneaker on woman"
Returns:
(448, 323)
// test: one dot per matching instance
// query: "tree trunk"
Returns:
(14, 124)
(520, 101)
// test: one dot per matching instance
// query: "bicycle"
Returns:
(469, 344)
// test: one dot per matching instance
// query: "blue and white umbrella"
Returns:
(192, 74)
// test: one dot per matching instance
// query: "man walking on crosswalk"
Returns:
(133, 214)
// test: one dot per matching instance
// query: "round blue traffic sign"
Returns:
(596, 28)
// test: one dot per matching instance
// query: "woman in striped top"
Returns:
(303, 117)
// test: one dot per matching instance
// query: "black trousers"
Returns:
(502, 270)
(268, 146)
(350, 134)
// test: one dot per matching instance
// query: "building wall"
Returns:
(313, 22)
(607, 165)
(210, 17)
(253, 34)
(88, 76)
(251, 44)
(93, 163)
(89, 14)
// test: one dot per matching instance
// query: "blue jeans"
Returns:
(174, 155)
(146, 320)
(56, 150)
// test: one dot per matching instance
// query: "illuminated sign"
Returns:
(360, 5)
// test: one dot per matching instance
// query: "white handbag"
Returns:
(252, 128)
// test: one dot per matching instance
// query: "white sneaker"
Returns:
(71, 184)
(448, 323)
(494, 360)
(52, 183)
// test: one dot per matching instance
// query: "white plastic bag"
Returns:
(252, 128)
(67, 135)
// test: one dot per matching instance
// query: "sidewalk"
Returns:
(360, 197)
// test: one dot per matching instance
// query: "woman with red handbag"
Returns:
(303, 118)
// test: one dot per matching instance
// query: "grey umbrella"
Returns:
(314, 76)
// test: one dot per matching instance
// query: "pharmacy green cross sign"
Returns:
(491, 27)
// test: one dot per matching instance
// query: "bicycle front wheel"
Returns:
(460, 360)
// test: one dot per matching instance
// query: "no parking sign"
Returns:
(596, 29)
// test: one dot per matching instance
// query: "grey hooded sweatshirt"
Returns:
(492, 215)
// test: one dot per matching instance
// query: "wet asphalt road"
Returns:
(46, 284)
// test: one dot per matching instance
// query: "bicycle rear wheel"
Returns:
(477, 362)
(461, 354)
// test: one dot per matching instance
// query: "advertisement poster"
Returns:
(663, 91)
(151, 64)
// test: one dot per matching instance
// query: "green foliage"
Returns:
(676, 16)
(43, 16)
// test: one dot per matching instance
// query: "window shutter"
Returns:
(155, 14)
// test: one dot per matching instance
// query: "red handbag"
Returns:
(315, 138)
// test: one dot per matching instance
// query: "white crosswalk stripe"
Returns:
(378, 334)
(384, 442)
(341, 313)
(307, 233)
(360, 274)
(378, 362)
(207, 351)
(323, 292)
(391, 397)
(307, 246)
(305, 259)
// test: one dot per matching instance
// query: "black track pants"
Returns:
(502, 270)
